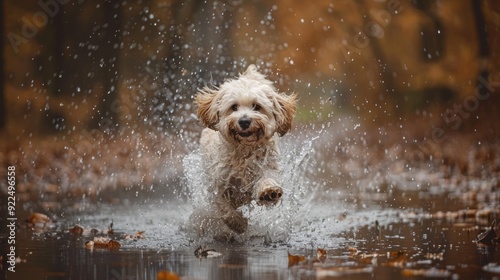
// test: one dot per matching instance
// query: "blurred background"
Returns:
(398, 122)
(120, 76)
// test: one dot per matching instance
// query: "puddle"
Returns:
(377, 243)
(395, 224)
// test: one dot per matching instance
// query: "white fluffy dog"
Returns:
(239, 150)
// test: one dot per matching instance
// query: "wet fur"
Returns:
(242, 163)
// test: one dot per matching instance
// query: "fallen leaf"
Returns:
(38, 218)
(367, 258)
(39, 222)
(76, 230)
(431, 272)
(294, 259)
(137, 235)
(396, 258)
(103, 243)
(321, 254)
(113, 244)
(202, 252)
(166, 275)
(352, 250)
(89, 244)
(489, 237)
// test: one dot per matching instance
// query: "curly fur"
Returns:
(244, 118)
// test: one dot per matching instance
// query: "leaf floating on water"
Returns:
(431, 272)
(352, 250)
(166, 275)
(89, 244)
(397, 258)
(321, 254)
(367, 258)
(103, 243)
(137, 235)
(36, 218)
(202, 252)
(489, 237)
(112, 245)
(76, 230)
(295, 259)
(80, 230)
(39, 222)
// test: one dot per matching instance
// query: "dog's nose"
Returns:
(244, 123)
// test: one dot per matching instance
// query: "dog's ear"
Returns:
(286, 105)
(205, 100)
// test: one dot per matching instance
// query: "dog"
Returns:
(243, 118)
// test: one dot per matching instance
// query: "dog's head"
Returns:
(246, 110)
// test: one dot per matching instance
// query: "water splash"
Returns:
(273, 224)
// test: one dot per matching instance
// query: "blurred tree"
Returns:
(199, 45)
(432, 31)
(384, 67)
(110, 39)
(58, 52)
(483, 86)
(2, 85)
(482, 35)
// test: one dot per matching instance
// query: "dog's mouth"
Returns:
(245, 134)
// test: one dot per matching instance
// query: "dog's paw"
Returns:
(270, 195)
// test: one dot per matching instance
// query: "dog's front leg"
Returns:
(230, 215)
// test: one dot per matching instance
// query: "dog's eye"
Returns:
(234, 107)
(256, 107)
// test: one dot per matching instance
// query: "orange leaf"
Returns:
(321, 253)
(103, 243)
(166, 275)
(397, 258)
(294, 259)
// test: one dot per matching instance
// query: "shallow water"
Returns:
(392, 225)
(435, 246)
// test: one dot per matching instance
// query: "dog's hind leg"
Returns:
(236, 222)
(230, 215)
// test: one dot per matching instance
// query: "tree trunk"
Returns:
(385, 69)
(3, 113)
(484, 50)
(109, 44)
(60, 87)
